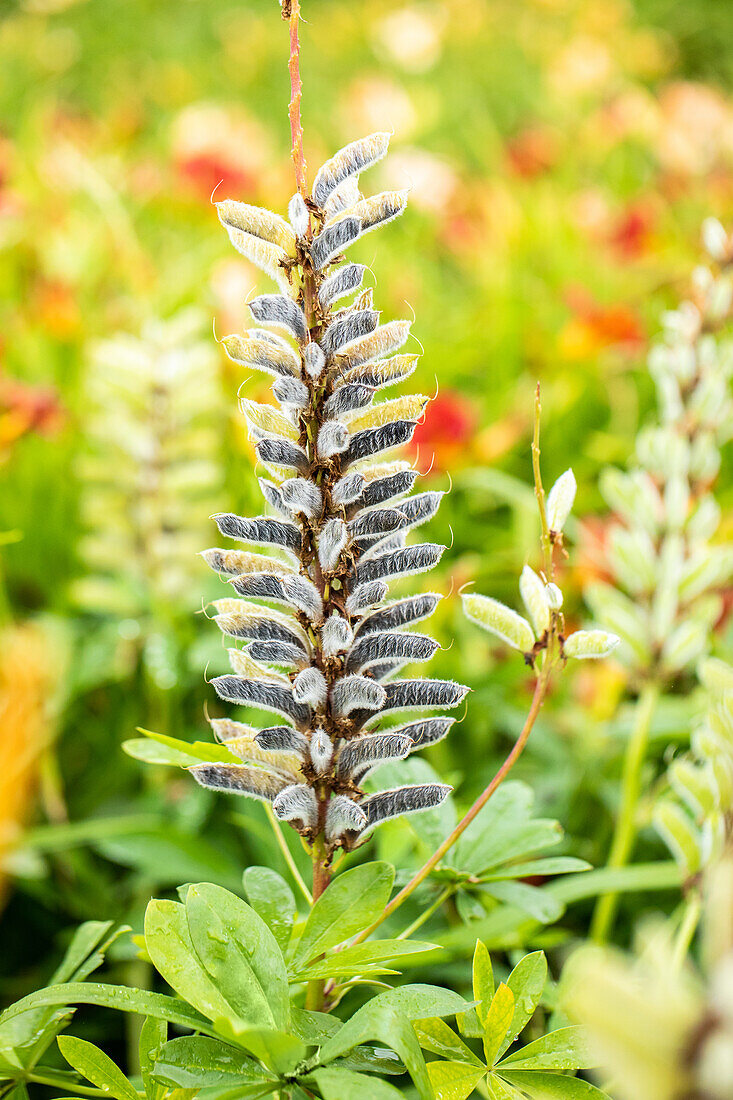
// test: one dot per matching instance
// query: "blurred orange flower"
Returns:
(25, 409)
(532, 152)
(594, 327)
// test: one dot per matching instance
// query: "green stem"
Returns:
(52, 1081)
(427, 913)
(625, 832)
(539, 491)
(687, 929)
(287, 854)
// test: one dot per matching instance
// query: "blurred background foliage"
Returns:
(561, 156)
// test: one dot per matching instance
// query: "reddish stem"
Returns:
(296, 93)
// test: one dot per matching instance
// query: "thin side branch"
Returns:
(537, 700)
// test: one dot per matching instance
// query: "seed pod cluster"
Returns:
(319, 644)
(665, 562)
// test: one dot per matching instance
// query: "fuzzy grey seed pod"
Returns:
(356, 693)
(331, 542)
(348, 489)
(403, 800)
(314, 360)
(321, 751)
(343, 816)
(298, 215)
(309, 686)
(282, 739)
(276, 309)
(333, 439)
(302, 497)
(297, 803)
(336, 635)
(345, 280)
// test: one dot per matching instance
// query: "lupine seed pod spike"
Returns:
(341, 516)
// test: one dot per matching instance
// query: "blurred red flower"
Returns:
(443, 436)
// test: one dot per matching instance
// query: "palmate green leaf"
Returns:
(566, 1048)
(336, 1083)
(498, 1022)
(196, 1062)
(526, 981)
(498, 1089)
(362, 958)
(552, 1086)
(386, 1024)
(119, 997)
(278, 1050)
(240, 954)
(483, 980)
(435, 1035)
(350, 904)
(532, 900)
(454, 1080)
(153, 1035)
(96, 1066)
(272, 899)
(169, 945)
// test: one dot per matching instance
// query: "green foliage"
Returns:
(540, 1069)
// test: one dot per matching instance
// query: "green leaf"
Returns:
(96, 1066)
(454, 1080)
(532, 900)
(196, 750)
(504, 831)
(24, 1039)
(196, 1061)
(435, 1035)
(502, 1090)
(551, 865)
(526, 981)
(278, 1050)
(362, 958)
(119, 997)
(469, 906)
(240, 954)
(314, 1028)
(169, 857)
(152, 752)
(153, 1035)
(498, 1022)
(347, 906)
(553, 1086)
(566, 1048)
(335, 1083)
(168, 942)
(272, 899)
(388, 1025)
(483, 980)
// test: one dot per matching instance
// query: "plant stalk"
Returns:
(625, 832)
(537, 700)
(291, 11)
